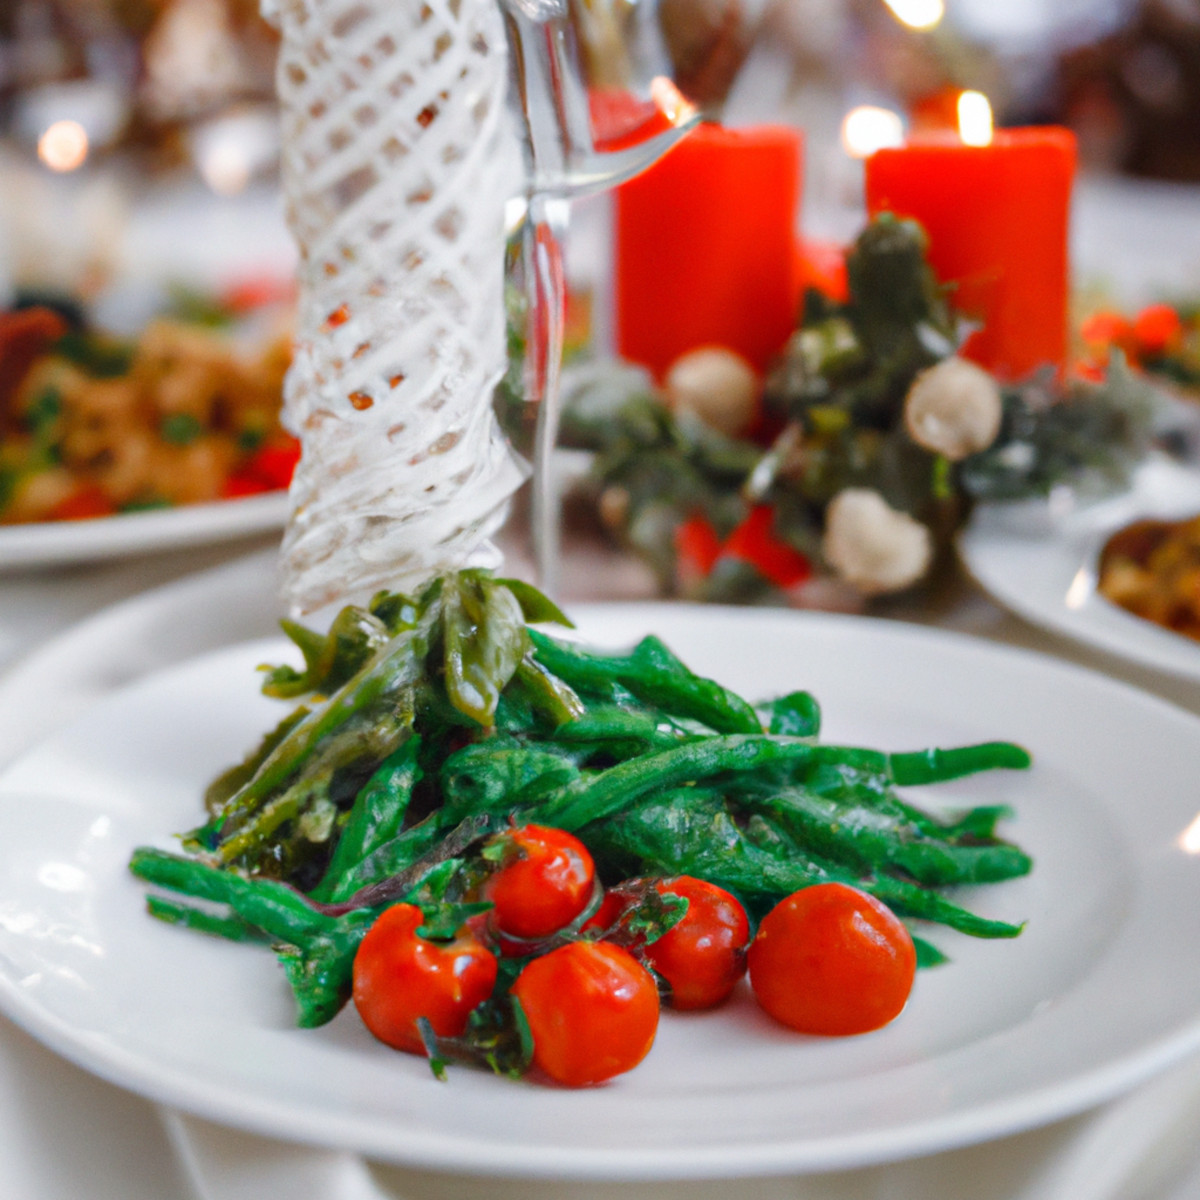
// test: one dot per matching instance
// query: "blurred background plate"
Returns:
(61, 542)
(1044, 568)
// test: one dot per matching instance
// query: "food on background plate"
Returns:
(507, 847)
(1151, 568)
(93, 425)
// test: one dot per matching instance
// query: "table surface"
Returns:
(122, 1148)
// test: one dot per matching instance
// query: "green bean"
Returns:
(395, 855)
(395, 668)
(550, 697)
(375, 817)
(273, 907)
(936, 766)
(621, 733)
(652, 674)
(484, 641)
(795, 715)
(499, 774)
(869, 840)
(910, 900)
(321, 968)
(330, 660)
(590, 799)
(233, 928)
(703, 840)
(218, 793)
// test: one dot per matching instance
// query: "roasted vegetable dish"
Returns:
(92, 425)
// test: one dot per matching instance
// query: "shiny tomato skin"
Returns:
(832, 960)
(400, 976)
(592, 1010)
(703, 955)
(544, 882)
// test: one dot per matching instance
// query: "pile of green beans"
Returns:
(427, 723)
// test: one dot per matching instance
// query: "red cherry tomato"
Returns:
(275, 463)
(832, 960)
(88, 500)
(544, 882)
(613, 904)
(242, 484)
(1157, 329)
(400, 976)
(703, 955)
(592, 1010)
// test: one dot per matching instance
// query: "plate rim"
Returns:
(59, 543)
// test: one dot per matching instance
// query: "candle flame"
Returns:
(670, 101)
(918, 14)
(867, 129)
(974, 119)
(63, 146)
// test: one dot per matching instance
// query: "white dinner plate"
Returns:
(1043, 565)
(53, 543)
(1099, 992)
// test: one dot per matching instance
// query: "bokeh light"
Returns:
(868, 128)
(918, 14)
(974, 119)
(63, 146)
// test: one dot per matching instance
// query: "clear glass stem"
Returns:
(545, 235)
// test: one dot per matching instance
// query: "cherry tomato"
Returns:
(400, 976)
(240, 483)
(613, 904)
(592, 1010)
(832, 960)
(703, 955)
(275, 463)
(544, 882)
(1157, 329)
(86, 501)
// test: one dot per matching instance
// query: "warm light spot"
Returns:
(867, 129)
(974, 119)
(1080, 589)
(918, 14)
(225, 166)
(63, 146)
(670, 101)
(1189, 839)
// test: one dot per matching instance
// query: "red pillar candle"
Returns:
(705, 247)
(997, 218)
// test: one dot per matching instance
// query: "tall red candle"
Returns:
(705, 247)
(998, 223)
